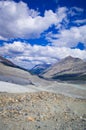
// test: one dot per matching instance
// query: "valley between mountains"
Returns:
(52, 99)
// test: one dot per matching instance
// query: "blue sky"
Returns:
(42, 31)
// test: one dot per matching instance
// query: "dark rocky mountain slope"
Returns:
(6, 62)
(68, 68)
(39, 69)
(9, 72)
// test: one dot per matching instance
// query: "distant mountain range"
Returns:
(9, 72)
(39, 69)
(68, 68)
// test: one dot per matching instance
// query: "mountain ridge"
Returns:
(9, 72)
(39, 69)
(18, 75)
(6, 62)
(67, 68)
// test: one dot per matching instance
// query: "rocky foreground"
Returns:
(41, 111)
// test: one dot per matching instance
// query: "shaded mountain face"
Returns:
(6, 62)
(67, 69)
(10, 72)
(39, 69)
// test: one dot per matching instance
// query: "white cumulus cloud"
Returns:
(68, 37)
(17, 20)
(27, 55)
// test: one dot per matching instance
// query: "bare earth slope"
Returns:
(15, 75)
(71, 90)
(12, 73)
(6, 62)
(68, 68)
(28, 102)
(41, 111)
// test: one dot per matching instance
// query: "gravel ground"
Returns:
(67, 89)
(41, 111)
